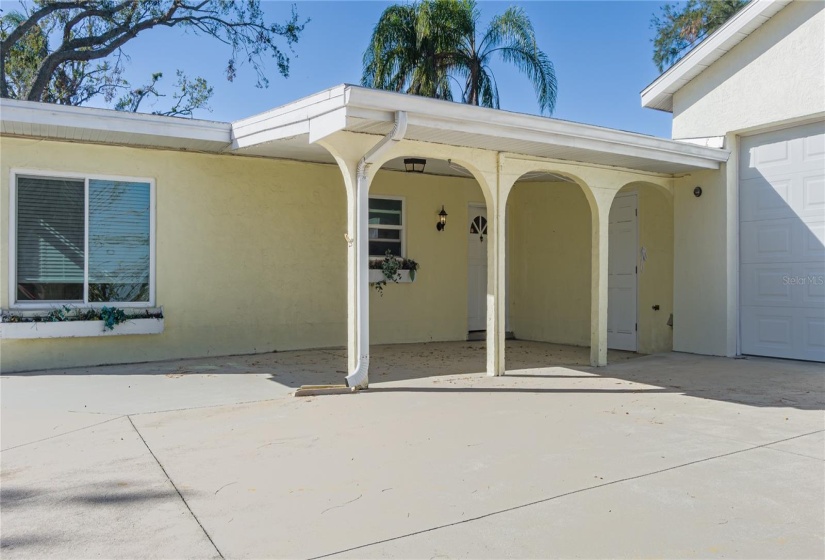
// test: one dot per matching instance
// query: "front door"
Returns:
(621, 271)
(477, 277)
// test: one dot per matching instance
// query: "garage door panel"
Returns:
(813, 246)
(787, 334)
(765, 200)
(814, 147)
(813, 196)
(814, 341)
(782, 243)
(774, 241)
(812, 281)
(767, 285)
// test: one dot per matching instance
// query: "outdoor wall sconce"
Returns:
(414, 165)
(442, 220)
(697, 192)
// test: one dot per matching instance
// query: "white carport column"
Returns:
(600, 222)
(496, 290)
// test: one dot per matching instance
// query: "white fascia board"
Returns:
(659, 94)
(447, 115)
(108, 120)
(286, 121)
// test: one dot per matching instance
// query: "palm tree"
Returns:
(419, 48)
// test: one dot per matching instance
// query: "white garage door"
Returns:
(782, 243)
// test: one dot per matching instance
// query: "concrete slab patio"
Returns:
(659, 456)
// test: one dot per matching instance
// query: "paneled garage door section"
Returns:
(782, 243)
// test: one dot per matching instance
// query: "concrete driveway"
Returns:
(660, 456)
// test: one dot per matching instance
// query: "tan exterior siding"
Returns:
(776, 74)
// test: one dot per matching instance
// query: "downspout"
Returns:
(359, 377)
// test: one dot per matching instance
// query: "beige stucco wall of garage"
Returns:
(775, 74)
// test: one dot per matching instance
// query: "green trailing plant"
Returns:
(59, 314)
(111, 316)
(390, 266)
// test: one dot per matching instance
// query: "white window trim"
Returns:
(402, 228)
(86, 177)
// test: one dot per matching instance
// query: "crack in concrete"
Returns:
(63, 433)
(572, 492)
(195, 517)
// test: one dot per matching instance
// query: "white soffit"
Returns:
(85, 124)
(659, 94)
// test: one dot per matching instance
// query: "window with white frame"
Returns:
(386, 227)
(82, 240)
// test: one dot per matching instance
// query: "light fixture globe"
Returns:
(442, 219)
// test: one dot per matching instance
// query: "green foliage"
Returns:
(680, 26)
(390, 266)
(188, 95)
(59, 314)
(111, 316)
(70, 51)
(424, 47)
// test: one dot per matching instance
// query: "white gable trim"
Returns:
(659, 94)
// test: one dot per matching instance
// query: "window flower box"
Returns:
(378, 276)
(70, 329)
(34, 324)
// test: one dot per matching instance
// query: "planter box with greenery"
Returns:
(67, 322)
(391, 269)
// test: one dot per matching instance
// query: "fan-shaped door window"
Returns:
(479, 227)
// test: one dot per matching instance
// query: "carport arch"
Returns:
(599, 199)
(549, 224)
(348, 150)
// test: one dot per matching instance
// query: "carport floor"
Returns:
(670, 455)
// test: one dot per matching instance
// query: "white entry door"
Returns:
(621, 271)
(477, 278)
(782, 243)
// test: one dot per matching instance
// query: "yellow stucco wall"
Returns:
(549, 260)
(251, 256)
(434, 307)
(701, 317)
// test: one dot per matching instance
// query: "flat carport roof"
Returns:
(293, 130)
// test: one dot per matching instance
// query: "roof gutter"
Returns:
(359, 378)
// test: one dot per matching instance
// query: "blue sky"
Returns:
(601, 51)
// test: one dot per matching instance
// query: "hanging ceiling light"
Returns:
(414, 165)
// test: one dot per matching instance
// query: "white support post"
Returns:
(600, 221)
(350, 178)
